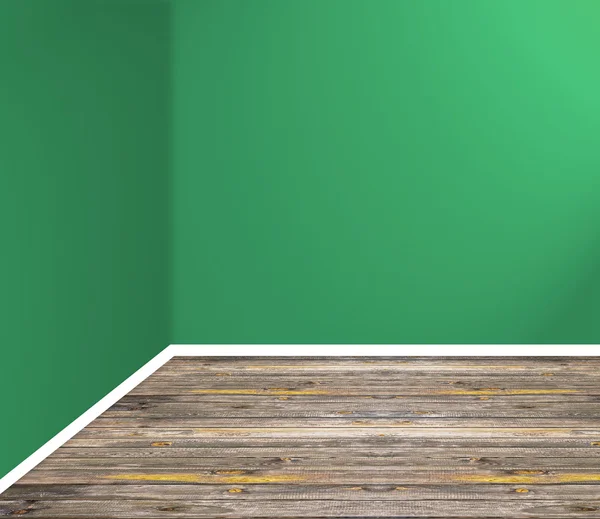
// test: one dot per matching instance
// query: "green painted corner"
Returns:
(224, 171)
(84, 173)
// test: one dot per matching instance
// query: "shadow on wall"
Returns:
(84, 203)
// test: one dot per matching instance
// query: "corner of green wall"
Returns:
(85, 260)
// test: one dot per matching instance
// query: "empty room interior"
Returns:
(420, 178)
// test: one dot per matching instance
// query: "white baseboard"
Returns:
(91, 414)
(410, 350)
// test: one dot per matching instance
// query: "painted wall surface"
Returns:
(84, 94)
(382, 172)
(224, 171)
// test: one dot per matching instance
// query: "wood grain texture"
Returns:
(295, 437)
(82, 509)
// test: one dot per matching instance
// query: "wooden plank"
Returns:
(350, 422)
(242, 492)
(317, 476)
(395, 381)
(396, 408)
(378, 442)
(386, 463)
(283, 390)
(551, 509)
(501, 366)
(315, 401)
(472, 433)
(106, 449)
(429, 361)
(293, 387)
(377, 375)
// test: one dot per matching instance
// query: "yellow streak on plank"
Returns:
(419, 367)
(262, 391)
(197, 478)
(542, 479)
(406, 429)
(281, 391)
(506, 391)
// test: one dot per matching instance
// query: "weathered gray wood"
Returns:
(349, 422)
(506, 366)
(552, 509)
(252, 433)
(395, 381)
(299, 368)
(353, 361)
(309, 438)
(444, 475)
(105, 449)
(378, 376)
(151, 388)
(396, 408)
(379, 443)
(387, 463)
(318, 400)
(258, 492)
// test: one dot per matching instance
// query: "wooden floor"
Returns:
(266, 437)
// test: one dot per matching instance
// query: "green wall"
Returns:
(287, 171)
(386, 172)
(84, 95)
